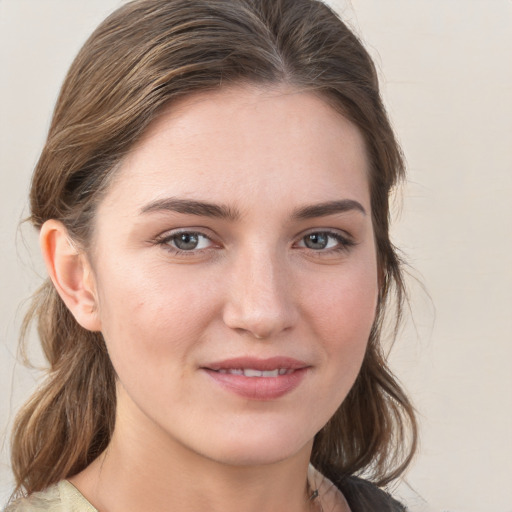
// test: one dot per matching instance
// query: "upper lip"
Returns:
(254, 363)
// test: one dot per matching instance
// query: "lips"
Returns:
(258, 379)
(269, 364)
(251, 372)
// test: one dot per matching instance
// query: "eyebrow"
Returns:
(206, 209)
(191, 207)
(328, 208)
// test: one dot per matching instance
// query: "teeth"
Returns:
(249, 372)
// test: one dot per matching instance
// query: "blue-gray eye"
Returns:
(189, 241)
(321, 240)
(186, 241)
(317, 241)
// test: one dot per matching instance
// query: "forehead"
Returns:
(248, 142)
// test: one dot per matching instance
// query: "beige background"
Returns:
(447, 80)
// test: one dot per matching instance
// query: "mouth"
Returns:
(256, 367)
(251, 372)
(258, 379)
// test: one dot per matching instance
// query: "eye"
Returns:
(187, 241)
(325, 241)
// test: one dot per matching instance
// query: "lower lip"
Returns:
(259, 388)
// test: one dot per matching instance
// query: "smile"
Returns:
(258, 379)
(251, 372)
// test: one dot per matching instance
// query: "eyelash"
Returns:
(344, 243)
(166, 240)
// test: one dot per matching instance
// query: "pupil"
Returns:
(186, 241)
(316, 241)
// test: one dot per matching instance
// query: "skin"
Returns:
(252, 287)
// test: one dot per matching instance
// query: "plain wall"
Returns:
(447, 81)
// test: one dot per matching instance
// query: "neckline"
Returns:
(69, 492)
(326, 489)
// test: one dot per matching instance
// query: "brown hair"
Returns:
(146, 55)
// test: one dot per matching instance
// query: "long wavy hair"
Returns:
(146, 55)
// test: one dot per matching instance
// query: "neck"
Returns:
(149, 471)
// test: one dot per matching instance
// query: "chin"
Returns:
(257, 446)
(254, 456)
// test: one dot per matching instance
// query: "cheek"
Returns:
(150, 315)
(342, 308)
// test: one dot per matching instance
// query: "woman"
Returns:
(212, 203)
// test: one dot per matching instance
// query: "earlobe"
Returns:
(71, 273)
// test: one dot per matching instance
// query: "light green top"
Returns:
(61, 497)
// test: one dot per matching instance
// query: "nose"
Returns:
(260, 298)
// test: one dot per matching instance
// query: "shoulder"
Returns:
(363, 496)
(47, 500)
(61, 497)
(358, 494)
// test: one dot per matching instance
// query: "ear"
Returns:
(71, 273)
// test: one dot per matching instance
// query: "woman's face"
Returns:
(235, 273)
